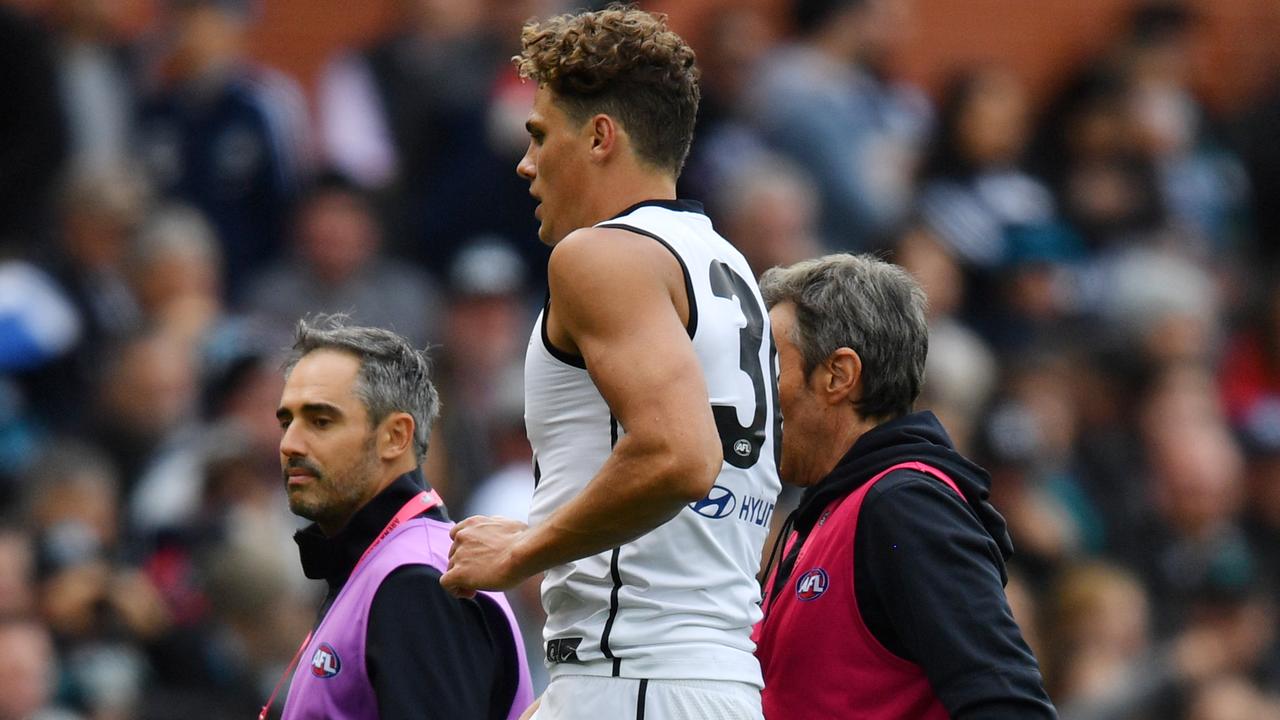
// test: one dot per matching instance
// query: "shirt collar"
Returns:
(692, 206)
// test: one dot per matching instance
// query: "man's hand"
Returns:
(482, 555)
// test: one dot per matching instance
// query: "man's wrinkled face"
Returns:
(327, 452)
(803, 419)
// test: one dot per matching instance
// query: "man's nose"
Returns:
(526, 167)
(291, 443)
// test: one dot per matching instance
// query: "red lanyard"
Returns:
(419, 504)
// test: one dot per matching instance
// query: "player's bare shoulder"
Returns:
(596, 266)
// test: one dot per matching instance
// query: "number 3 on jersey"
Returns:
(741, 444)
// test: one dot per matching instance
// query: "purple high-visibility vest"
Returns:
(331, 680)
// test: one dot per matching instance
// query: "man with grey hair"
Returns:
(356, 415)
(889, 600)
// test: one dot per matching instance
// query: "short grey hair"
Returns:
(870, 306)
(394, 376)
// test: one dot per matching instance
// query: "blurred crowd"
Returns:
(1101, 269)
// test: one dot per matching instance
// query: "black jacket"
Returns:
(929, 569)
(428, 654)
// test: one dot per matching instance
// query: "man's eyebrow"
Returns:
(311, 408)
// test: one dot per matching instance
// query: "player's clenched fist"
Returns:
(482, 556)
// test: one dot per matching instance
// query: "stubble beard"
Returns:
(333, 497)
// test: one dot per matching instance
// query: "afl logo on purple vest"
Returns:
(718, 503)
(325, 663)
(811, 585)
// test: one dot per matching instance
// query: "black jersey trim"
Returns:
(692, 326)
(692, 206)
(567, 358)
(613, 613)
(640, 694)
(616, 574)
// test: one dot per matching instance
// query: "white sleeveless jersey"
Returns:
(680, 601)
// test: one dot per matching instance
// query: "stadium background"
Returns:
(1089, 190)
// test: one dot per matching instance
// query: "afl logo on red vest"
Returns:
(325, 663)
(812, 584)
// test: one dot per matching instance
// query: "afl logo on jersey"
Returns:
(325, 663)
(812, 584)
(718, 503)
(743, 448)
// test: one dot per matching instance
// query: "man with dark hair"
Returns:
(223, 133)
(889, 600)
(356, 411)
(649, 396)
(340, 263)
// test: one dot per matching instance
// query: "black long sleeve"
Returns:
(428, 654)
(929, 587)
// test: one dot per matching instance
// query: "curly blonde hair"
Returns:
(623, 62)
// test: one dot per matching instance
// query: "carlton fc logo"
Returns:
(325, 663)
(812, 584)
(718, 503)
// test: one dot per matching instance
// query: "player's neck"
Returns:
(634, 188)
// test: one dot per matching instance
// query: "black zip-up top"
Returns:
(929, 569)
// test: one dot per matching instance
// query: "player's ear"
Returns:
(395, 436)
(604, 135)
(842, 376)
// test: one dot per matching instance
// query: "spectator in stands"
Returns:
(999, 221)
(339, 265)
(974, 193)
(961, 370)
(253, 610)
(102, 610)
(175, 271)
(98, 86)
(1087, 149)
(224, 135)
(100, 212)
(1187, 534)
(1157, 304)
(1203, 184)
(29, 672)
(729, 144)
(1028, 442)
(408, 117)
(1232, 697)
(482, 339)
(1104, 662)
(825, 102)
(144, 412)
(768, 210)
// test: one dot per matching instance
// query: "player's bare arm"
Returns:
(618, 300)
